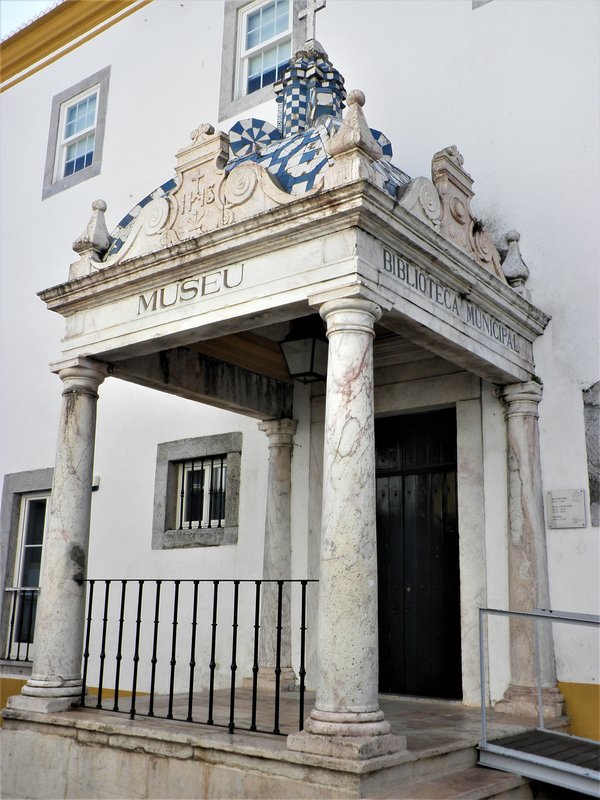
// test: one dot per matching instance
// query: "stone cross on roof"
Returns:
(310, 12)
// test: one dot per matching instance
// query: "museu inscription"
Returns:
(190, 289)
(447, 298)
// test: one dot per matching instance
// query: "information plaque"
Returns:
(566, 508)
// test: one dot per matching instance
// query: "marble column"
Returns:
(346, 721)
(527, 560)
(56, 682)
(277, 559)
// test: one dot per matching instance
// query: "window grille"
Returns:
(202, 484)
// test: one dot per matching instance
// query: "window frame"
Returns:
(64, 141)
(16, 486)
(244, 55)
(167, 485)
(231, 101)
(56, 150)
(19, 585)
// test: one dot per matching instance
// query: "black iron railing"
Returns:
(23, 606)
(189, 650)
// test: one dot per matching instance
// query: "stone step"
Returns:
(474, 783)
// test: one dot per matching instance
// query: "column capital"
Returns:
(521, 399)
(350, 314)
(82, 375)
(279, 431)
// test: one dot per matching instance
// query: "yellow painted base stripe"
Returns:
(8, 687)
(583, 707)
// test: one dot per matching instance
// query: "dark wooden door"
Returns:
(417, 546)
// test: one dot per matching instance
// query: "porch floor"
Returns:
(207, 761)
(428, 724)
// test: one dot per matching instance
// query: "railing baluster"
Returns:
(213, 645)
(86, 650)
(131, 627)
(191, 500)
(13, 614)
(236, 590)
(119, 656)
(32, 610)
(302, 670)
(154, 658)
(19, 622)
(211, 481)
(173, 661)
(103, 644)
(278, 656)
(193, 653)
(182, 496)
(136, 651)
(201, 494)
(255, 662)
(221, 506)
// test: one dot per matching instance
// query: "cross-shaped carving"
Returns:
(310, 12)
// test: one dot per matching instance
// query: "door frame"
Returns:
(452, 567)
(479, 420)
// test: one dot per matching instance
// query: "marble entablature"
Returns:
(285, 208)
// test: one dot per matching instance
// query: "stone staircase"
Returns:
(474, 783)
(446, 775)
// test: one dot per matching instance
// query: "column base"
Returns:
(524, 700)
(43, 705)
(355, 736)
(53, 687)
(266, 680)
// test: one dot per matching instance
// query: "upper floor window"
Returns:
(76, 137)
(259, 38)
(266, 42)
(78, 134)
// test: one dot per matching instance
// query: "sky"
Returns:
(15, 13)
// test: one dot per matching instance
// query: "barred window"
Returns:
(197, 491)
(201, 491)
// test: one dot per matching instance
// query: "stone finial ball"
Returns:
(99, 205)
(356, 96)
(513, 236)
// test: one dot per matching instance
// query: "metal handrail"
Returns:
(18, 595)
(536, 614)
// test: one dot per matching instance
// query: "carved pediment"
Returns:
(206, 197)
(444, 203)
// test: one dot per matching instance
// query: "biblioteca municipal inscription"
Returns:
(448, 299)
(190, 289)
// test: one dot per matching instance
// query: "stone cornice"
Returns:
(59, 31)
(357, 205)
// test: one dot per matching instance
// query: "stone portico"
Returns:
(258, 229)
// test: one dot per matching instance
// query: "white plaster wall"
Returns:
(514, 85)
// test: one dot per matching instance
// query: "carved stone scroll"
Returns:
(206, 197)
(421, 198)
(458, 224)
